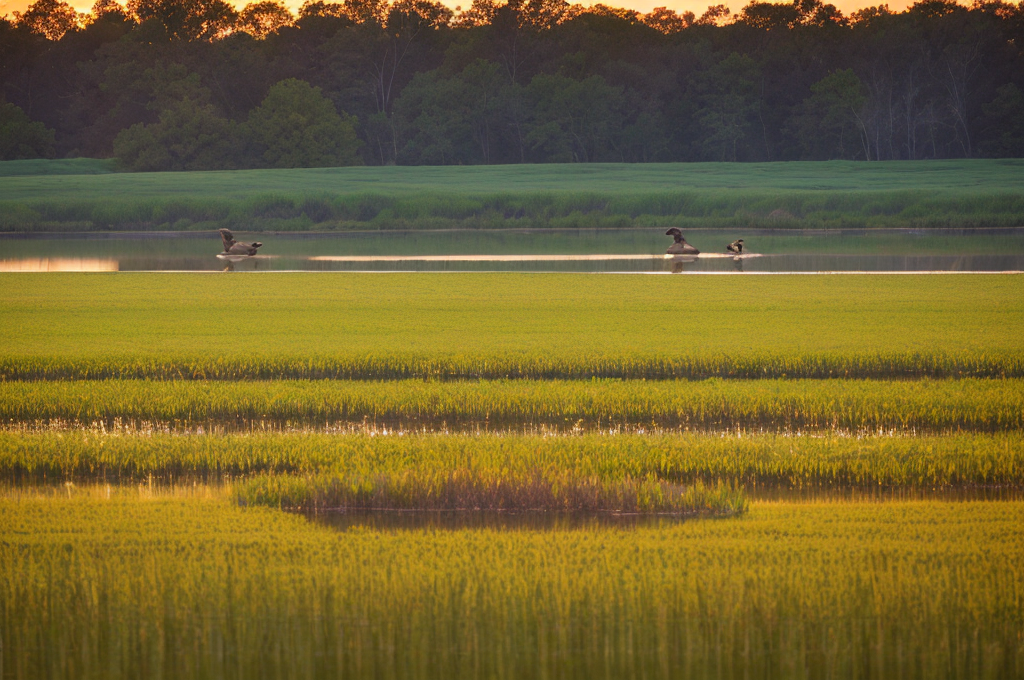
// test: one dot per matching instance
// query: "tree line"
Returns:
(197, 84)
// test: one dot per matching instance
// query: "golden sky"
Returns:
(697, 7)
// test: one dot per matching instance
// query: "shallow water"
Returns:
(611, 251)
(456, 520)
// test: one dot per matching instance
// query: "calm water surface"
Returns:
(456, 520)
(621, 250)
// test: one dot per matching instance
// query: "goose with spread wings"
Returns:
(680, 247)
(233, 247)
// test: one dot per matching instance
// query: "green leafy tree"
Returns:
(189, 136)
(668, 21)
(573, 120)
(186, 19)
(454, 119)
(830, 123)
(21, 137)
(297, 127)
(769, 16)
(319, 8)
(715, 15)
(260, 19)
(50, 18)
(1003, 123)
(727, 100)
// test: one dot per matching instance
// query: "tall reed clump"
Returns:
(930, 405)
(535, 490)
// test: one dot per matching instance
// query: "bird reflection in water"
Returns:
(679, 262)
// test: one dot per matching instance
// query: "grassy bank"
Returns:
(757, 460)
(126, 585)
(959, 194)
(931, 405)
(494, 325)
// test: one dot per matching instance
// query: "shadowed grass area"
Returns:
(507, 325)
(489, 490)
(129, 584)
(930, 405)
(961, 194)
(761, 460)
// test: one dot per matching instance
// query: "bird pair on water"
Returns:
(681, 247)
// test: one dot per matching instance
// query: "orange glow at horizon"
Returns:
(8, 7)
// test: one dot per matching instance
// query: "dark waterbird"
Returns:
(233, 247)
(735, 247)
(680, 247)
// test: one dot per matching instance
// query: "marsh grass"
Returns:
(710, 209)
(857, 405)
(760, 461)
(812, 195)
(193, 587)
(365, 326)
(398, 366)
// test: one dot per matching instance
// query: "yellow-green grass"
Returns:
(189, 586)
(960, 193)
(757, 460)
(368, 326)
(974, 404)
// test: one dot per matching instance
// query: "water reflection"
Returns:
(59, 264)
(455, 520)
(249, 263)
(609, 251)
(880, 493)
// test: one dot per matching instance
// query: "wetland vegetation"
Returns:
(962, 194)
(852, 405)
(447, 477)
(126, 583)
(827, 460)
(495, 326)
(815, 476)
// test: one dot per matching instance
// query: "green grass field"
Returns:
(495, 325)
(123, 583)
(723, 467)
(961, 194)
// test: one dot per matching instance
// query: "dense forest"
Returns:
(197, 84)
